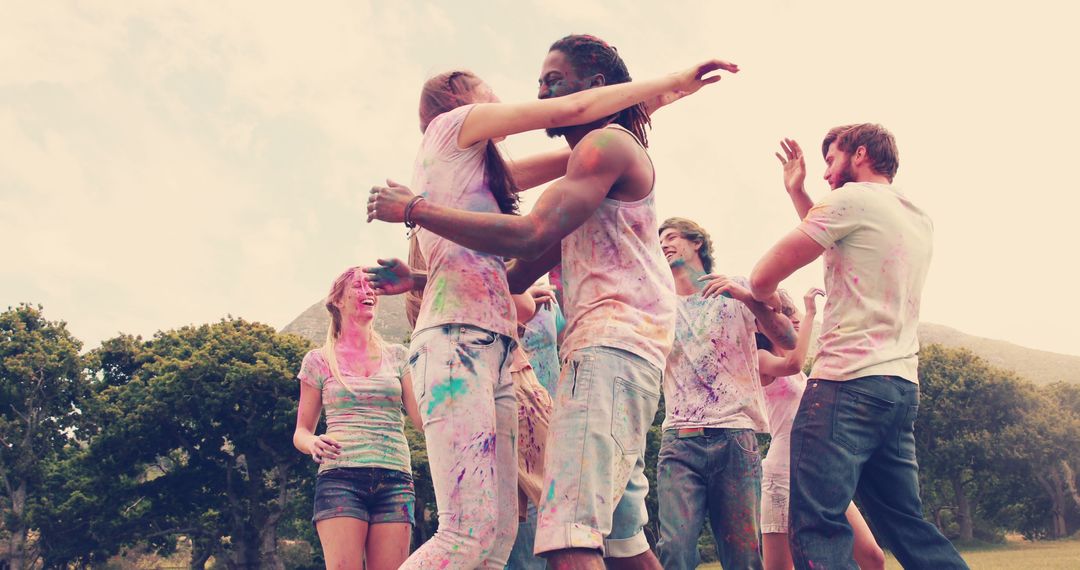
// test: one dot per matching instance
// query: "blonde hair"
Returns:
(337, 291)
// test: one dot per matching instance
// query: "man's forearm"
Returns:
(538, 169)
(774, 325)
(497, 234)
(801, 200)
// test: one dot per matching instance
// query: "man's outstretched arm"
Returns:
(791, 253)
(595, 165)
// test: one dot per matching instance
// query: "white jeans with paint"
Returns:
(461, 377)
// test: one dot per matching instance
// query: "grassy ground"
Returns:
(1042, 555)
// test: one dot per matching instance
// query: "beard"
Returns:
(847, 174)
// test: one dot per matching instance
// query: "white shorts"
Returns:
(775, 493)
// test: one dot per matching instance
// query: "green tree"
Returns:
(202, 431)
(1046, 447)
(92, 507)
(40, 387)
(965, 404)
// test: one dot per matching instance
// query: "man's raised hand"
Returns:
(387, 203)
(794, 165)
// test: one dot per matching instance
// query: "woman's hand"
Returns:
(324, 448)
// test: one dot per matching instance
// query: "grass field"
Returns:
(1042, 555)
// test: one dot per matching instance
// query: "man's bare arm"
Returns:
(532, 171)
(597, 162)
(791, 253)
(772, 324)
(520, 274)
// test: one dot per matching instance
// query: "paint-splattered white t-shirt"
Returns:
(877, 252)
(712, 373)
(464, 286)
(363, 414)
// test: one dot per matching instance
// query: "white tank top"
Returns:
(618, 288)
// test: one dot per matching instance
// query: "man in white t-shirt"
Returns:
(855, 426)
(709, 462)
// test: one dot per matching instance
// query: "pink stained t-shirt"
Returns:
(464, 286)
(618, 288)
(878, 246)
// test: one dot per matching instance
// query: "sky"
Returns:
(172, 163)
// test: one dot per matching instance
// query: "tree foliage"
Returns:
(40, 390)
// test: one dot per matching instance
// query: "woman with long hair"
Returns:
(461, 347)
(364, 492)
(784, 382)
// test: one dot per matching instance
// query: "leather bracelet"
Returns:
(408, 211)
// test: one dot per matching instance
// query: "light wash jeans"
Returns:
(462, 382)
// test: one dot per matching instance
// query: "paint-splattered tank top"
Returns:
(618, 288)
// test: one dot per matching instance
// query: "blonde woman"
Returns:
(364, 493)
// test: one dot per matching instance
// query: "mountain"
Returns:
(390, 321)
(1037, 366)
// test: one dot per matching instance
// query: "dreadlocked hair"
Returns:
(448, 91)
(591, 55)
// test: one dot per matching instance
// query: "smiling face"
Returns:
(678, 250)
(358, 298)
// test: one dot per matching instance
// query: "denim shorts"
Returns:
(594, 477)
(371, 494)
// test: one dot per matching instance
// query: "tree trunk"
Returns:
(1056, 492)
(245, 551)
(268, 551)
(420, 529)
(1058, 500)
(200, 553)
(963, 510)
(17, 540)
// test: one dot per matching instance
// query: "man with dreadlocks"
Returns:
(600, 220)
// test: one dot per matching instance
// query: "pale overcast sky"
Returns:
(163, 164)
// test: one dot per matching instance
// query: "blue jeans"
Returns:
(717, 473)
(858, 436)
(522, 557)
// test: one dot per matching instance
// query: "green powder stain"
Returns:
(438, 294)
(551, 491)
(448, 391)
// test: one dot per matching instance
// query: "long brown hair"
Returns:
(591, 55)
(448, 91)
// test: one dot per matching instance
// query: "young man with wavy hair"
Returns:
(709, 462)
